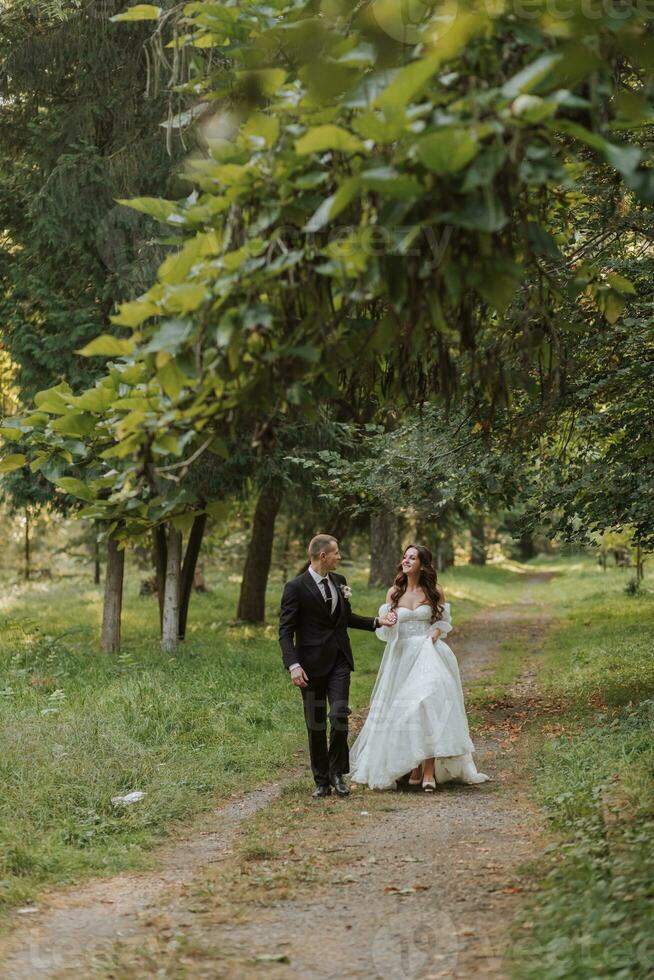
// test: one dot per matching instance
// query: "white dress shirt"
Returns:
(318, 580)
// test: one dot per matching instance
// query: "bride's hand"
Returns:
(435, 635)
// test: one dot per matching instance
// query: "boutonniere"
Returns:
(346, 591)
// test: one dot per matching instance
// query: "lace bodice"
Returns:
(414, 622)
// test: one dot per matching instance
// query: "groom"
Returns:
(313, 621)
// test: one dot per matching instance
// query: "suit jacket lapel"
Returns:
(313, 589)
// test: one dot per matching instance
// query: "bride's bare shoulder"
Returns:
(389, 594)
(441, 592)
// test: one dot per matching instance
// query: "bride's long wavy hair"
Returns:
(428, 582)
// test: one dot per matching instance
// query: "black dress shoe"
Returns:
(340, 786)
(320, 792)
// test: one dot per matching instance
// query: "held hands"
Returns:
(390, 619)
(299, 677)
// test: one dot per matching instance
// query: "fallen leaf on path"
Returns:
(272, 958)
(410, 890)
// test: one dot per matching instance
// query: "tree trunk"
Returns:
(96, 560)
(27, 544)
(445, 552)
(252, 600)
(170, 627)
(339, 524)
(113, 597)
(160, 557)
(478, 540)
(286, 551)
(385, 548)
(188, 570)
(526, 546)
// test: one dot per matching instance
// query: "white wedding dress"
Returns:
(416, 710)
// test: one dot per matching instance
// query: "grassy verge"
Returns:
(77, 727)
(592, 772)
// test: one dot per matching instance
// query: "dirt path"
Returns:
(389, 885)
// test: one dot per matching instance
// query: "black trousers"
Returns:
(323, 693)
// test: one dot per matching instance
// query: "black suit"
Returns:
(311, 635)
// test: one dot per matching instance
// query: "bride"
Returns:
(417, 720)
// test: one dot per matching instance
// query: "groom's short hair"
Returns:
(319, 544)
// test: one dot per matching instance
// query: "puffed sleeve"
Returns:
(444, 624)
(385, 633)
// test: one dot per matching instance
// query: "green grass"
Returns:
(78, 727)
(593, 775)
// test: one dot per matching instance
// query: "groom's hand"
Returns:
(298, 677)
(390, 619)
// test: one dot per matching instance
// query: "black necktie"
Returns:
(328, 595)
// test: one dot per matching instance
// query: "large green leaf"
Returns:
(96, 399)
(448, 40)
(391, 183)
(532, 75)
(11, 432)
(381, 127)
(74, 424)
(107, 346)
(620, 284)
(333, 205)
(484, 214)
(185, 297)
(12, 462)
(141, 11)
(56, 401)
(134, 313)
(171, 379)
(156, 207)
(328, 137)
(448, 150)
(261, 130)
(76, 488)
(496, 282)
(408, 82)
(170, 336)
(612, 305)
